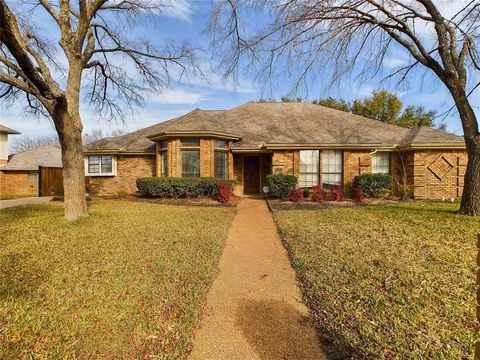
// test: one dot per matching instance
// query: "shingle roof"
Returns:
(282, 123)
(45, 155)
(7, 130)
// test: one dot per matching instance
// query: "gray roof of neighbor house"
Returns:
(45, 155)
(270, 125)
(7, 130)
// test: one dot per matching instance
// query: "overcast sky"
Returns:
(186, 22)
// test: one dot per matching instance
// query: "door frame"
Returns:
(259, 173)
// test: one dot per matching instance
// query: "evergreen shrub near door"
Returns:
(163, 187)
(281, 185)
(373, 185)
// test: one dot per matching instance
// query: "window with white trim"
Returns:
(332, 167)
(309, 168)
(381, 162)
(100, 165)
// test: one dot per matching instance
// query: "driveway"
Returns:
(254, 308)
(24, 201)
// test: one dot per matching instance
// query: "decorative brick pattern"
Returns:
(355, 163)
(287, 162)
(18, 182)
(440, 167)
(129, 168)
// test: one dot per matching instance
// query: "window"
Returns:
(32, 175)
(332, 166)
(163, 163)
(309, 168)
(222, 144)
(100, 165)
(221, 165)
(190, 163)
(163, 144)
(381, 162)
(190, 141)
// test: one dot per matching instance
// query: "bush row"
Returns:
(283, 186)
(166, 187)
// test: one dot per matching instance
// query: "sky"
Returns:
(186, 21)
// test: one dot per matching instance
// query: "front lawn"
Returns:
(15, 196)
(127, 282)
(392, 281)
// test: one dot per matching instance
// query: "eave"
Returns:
(192, 133)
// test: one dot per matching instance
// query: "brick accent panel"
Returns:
(3, 162)
(129, 168)
(435, 174)
(355, 163)
(286, 161)
(17, 182)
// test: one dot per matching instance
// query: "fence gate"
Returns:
(50, 181)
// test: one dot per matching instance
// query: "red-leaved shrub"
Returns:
(336, 192)
(318, 194)
(357, 194)
(225, 193)
(296, 195)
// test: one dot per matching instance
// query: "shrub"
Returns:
(357, 194)
(306, 193)
(164, 187)
(296, 195)
(373, 185)
(336, 192)
(281, 185)
(225, 192)
(318, 194)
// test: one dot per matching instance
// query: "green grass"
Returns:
(394, 281)
(15, 196)
(127, 282)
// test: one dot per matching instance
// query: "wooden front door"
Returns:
(251, 175)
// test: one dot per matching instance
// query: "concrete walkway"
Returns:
(24, 201)
(254, 308)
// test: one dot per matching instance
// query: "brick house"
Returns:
(319, 145)
(20, 174)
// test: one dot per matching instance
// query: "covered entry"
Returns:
(251, 171)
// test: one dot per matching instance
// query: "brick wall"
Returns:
(286, 161)
(18, 182)
(355, 163)
(435, 174)
(129, 168)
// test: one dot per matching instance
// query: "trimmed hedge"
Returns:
(373, 185)
(281, 185)
(168, 187)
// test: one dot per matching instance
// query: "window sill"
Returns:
(101, 175)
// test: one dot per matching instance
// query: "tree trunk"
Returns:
(470, 204)
(69, 129)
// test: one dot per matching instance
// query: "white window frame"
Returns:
(309, 159)
(381, 162)
(114, 166)
(332, 159)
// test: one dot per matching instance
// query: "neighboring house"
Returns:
(20, 174)
(4, 132)
(317, 144)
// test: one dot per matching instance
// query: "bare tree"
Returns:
(102, 62)
(340, 37)
(24, 142)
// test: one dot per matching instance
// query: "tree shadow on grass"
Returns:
(276, 330)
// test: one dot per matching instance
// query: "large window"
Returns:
(309, 168)
(163, 163)
(381, 162)
(190, 163)
(332, 167)
(97, 165)
(221, 165)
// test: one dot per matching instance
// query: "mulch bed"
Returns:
(180, 202)
(276, 204)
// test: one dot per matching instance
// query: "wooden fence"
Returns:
(50, 181)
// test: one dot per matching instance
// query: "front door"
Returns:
(251, 175)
